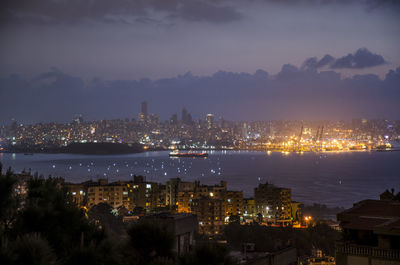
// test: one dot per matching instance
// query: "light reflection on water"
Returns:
(336, 179)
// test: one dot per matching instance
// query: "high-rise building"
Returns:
(233, 203)
(78, 119)
(115, 194)
(273, 203)
(174, 119)
(249, 209)
(186, 117)
(244, 130)
(143, 113)
(210, 214)
(144, 108)
(210, 120)
(147, 195)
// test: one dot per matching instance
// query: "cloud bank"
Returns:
(116, 11)
(132, 11)
(294, 93)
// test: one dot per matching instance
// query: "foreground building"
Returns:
(183, 226)
(210, 214)
(248, 256)
(371, 234)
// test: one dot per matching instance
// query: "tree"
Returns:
(9, 202)
(259, 218)
(208, 254)
(26, 250)
(50, 212)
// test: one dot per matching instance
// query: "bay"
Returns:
(334, 179)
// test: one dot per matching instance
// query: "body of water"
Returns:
(335, 179)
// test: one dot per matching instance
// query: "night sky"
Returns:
(240, 59)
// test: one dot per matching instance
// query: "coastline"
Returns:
(63, 150)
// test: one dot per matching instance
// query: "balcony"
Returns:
(373, 252)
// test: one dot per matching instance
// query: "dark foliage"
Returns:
(208, 254)
(8, 202)
(49, 211)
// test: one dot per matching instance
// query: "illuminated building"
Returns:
(249, 209)
(115, 194)
(147, 195)
(210, 214)
(185, 198)
(233, 203)
(173, 187)
(273, 203)
(296, 214)
(210, 120)
(77, 193)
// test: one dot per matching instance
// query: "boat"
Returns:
(28, 154)
(189, 154)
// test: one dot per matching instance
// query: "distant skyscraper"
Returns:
(244, 130)
(184, 115)
(143, 113)
(144, 108)
(78, 119)
(210, 120)
(174, 119)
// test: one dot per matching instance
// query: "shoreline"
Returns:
(32, 152)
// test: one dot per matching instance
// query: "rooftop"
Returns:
(375, 215)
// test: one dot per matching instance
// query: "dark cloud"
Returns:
(314, 63)
(292, 93)
(326, 60)
(131, 11)
(369, 4)
(362, 58)
(119, 11)
(207, 11)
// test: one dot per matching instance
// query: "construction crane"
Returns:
(298, 142)
(316, 135)
(320, 137)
